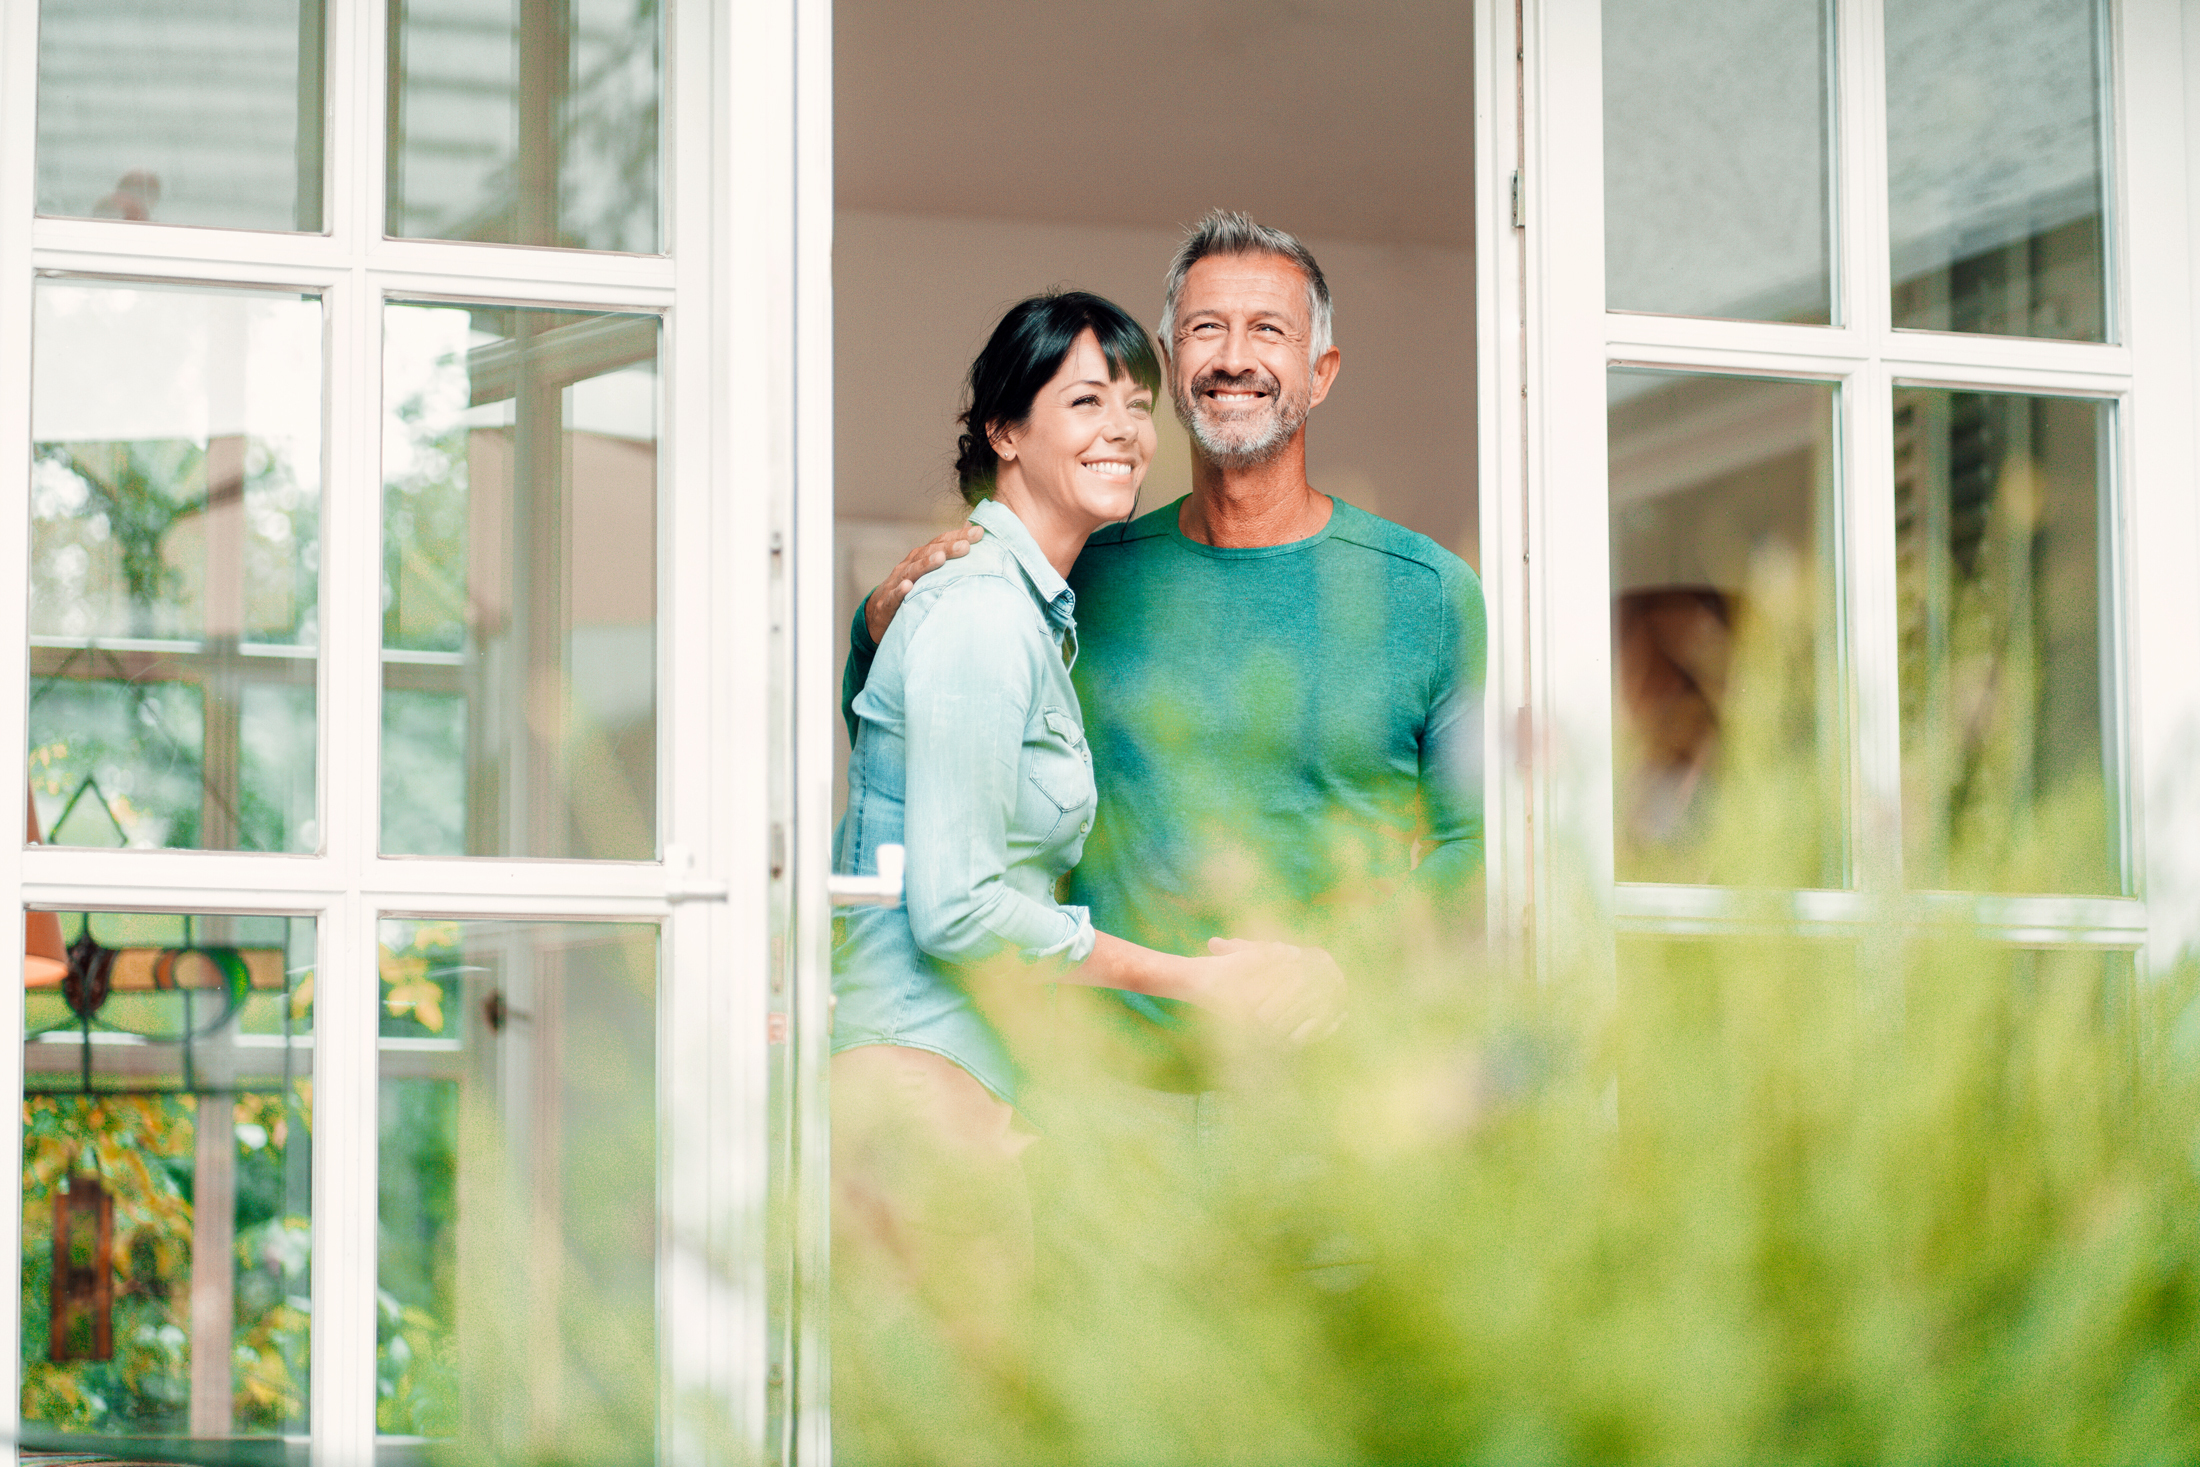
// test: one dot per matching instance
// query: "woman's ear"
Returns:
(1004, 443)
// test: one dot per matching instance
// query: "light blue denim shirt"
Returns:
(970, 752)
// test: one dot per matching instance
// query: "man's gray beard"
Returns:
(1237, 451)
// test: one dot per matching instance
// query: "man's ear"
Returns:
(1325, 374)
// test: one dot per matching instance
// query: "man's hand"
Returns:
(886, 597)
(1295, 994)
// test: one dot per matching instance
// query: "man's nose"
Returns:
(1235, 355)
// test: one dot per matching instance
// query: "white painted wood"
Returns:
(815, 693)
(18, 125)
(1568, 601)
(1501, 402)
(2160, 513)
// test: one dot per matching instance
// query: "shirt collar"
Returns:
(1055, 596)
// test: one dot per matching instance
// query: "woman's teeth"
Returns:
(1113, 470)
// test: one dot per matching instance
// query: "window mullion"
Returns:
(346, 1015)
(346, 1010)
(1868, 511)
(1871, 617)
(1860, 166)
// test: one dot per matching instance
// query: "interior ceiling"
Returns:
(1336, 119)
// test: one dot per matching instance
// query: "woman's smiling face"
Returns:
(1079, 458)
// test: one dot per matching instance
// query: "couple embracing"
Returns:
(1151, 758)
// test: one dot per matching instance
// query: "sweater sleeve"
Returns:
(857, 670)
(1451, 752)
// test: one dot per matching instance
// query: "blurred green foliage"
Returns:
(1755, 1199)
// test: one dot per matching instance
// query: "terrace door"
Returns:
(408, 467)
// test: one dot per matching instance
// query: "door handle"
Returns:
(882, 890)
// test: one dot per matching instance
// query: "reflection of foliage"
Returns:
(145, 1152)
(422, 978)
(557, 1357)
(142, 742)
(609, 154)
(141, 1146)
(416, 1369)
(139, 490)
(424, 540)
(135, 496)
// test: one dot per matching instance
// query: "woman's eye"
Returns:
(1087, 399)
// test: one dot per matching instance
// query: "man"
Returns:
(1282, 693)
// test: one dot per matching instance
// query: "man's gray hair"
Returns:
(1228, 232)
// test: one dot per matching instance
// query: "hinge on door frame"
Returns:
(1520, 216)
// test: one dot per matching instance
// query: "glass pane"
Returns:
(1717, 158)
(1729, 750)
(181, 111)
(2008, 769)
(518, 1252)
(1995, 185)
(166, 1259)
(175, 566)
(519, 594)
(526, 121)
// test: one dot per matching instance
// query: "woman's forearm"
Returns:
(1115, 963)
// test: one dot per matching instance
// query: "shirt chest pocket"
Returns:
(1058, 789)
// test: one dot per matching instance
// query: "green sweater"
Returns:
(1272, 730)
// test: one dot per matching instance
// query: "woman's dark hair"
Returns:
(1022, 356)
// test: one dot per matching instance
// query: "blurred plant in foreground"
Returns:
(1902, 1195)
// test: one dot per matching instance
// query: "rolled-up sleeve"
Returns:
(970, 687)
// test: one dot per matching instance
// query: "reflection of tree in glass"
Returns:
(424, 527)
(416, 1364)
(610, 151)
(139, 746)
(135, 493)
(144, 1149)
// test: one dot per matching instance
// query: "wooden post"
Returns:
(83, 1272)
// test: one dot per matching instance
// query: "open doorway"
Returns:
(986, 150)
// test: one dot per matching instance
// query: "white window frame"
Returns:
(745, 533)
(1547, 343)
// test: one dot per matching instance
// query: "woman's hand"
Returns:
(1295, 994)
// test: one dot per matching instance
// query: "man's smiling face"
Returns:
(1238, 366)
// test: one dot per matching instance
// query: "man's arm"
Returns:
(1451, 756)
(878, 608)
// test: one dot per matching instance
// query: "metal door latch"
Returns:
(882, 890)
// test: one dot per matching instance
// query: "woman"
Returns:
(970, 752)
